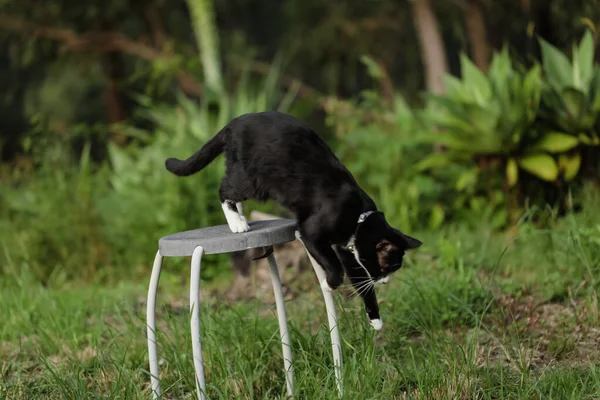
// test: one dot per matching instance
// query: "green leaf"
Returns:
(453, 86)
(585, 139)
(512, 172)
(483, 119)
(467, 178)
(557, 66)
(500, 67)
(446, 113)
(556, 142)
(585, 58)
(373, 68)
(475, 80)
(569, 164)
(436, 102)
(435, 160)
(437, 216)
(499, 219)
(587, 120)
(532, 87)
(594, 93)
(574, 101)
(541, 165)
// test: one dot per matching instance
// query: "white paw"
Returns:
(325, 286)
(376, 324)
(243, 224)
(237, 222)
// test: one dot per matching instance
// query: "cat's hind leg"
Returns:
(231, 202)
(234, 215)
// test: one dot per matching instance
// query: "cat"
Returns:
(272, 155)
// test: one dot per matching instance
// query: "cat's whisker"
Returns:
(361, 279)
(345, 285)
(359, 285)
(359, 289)
(363, 288)
(361, 282)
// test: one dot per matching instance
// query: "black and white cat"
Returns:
(272, 155)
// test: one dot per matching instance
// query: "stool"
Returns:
(220, 239)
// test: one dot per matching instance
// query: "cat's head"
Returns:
(378, 248)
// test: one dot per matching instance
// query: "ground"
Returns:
(473, 315)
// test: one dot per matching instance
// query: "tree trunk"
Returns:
(542, 16)
(478, 40)
(114, 100)
(433, 52)
(115, 109)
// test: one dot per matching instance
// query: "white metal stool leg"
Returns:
(336, 343)
(195, 322)
(151, 326)
(283, 328)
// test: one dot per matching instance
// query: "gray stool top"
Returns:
(219, 239)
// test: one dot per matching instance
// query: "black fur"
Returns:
(271, 155)
(199, 159)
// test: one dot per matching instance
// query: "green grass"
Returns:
(474, 315)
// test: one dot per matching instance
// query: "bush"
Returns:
(50, 228)
(69, 220)
(381, 147)
(387, 149)
(511, 137)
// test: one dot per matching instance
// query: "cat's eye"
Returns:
(350, 247)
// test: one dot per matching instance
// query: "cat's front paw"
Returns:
(376, 324)
(238, 224)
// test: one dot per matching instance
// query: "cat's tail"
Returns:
(199, 159)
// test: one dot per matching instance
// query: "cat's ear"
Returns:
(404, 241)
(411, 242)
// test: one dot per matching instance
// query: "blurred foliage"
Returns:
(384, 149)
(491, 126)
(572, 93)
(481, 115)
(95, 97)
(50, 226)
(150, 201)
(70, 220)
(115, 49)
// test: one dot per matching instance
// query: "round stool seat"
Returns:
(220, 239)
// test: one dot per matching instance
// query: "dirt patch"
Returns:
(67, 355)
(527, 335)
